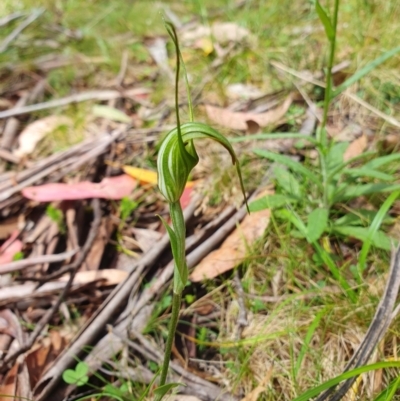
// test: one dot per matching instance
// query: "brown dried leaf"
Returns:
(8, 389)
(356, 148)
(33, 133)
(45, 353)
(221, 32)
(233, 249)
(238, 120)
(110, 276)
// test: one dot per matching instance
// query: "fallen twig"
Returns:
(99, 95)
(15, 33)
(195, 384)
(65, 162)
(10, 358)
(19, 265)
(11, 17)
(45, 388)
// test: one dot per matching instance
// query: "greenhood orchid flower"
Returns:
(177, 158)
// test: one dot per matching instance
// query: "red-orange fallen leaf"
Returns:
(8, 388)
(238, 120)
(109, 188)
(43, 355)
(186, 196)
(10, 248)
(233, 249)
(356, 148)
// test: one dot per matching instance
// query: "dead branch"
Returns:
(10, 358)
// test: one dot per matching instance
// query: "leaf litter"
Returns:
(114, 162)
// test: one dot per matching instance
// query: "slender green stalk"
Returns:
(328, 90)
(176, 159)
(176, 305)
(321, 132)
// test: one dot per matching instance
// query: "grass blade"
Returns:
(326, 22)
(365, 70)
(374, 227)
(336, 273)
(368, 172)
(344, 376)
(271, 202)
(389, 392)
(381, 161)
(353, 191)
(307, 339)
(378, 238)
(287, 161)
(278, 135)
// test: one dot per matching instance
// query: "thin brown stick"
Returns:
(10, 358)
(202, 387)
(87, 335)
(38, 260)
(99, 95)
(24, 24)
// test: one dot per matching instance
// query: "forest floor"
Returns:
(279, 300)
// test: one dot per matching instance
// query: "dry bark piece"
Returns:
(239, 120)
(233, 249)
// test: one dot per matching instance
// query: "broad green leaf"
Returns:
(326, 22)
(271, 202)
(334, 158)
(293, 165)
(353, 191)
(77, 376)
(111, 113)
(360, 217)
(365, 70)
(340, 167)
(368, 172)
(374, 227)
(316, 224)
(381, 161)
(287, 181)
(378, 239)
(344, 376)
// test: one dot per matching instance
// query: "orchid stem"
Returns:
(176, 306)
(180, 278)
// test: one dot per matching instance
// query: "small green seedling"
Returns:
(78, 376)
(57, 216)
